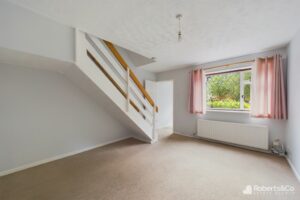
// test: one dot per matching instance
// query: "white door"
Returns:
(164, 97)
(162, 94)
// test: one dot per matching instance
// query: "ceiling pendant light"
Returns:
(179, 16)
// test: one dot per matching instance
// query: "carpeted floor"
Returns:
(174, 168)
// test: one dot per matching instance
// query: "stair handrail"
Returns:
(134, 78)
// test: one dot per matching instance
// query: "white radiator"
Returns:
(241, 134)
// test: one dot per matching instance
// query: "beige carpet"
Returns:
(176, 167)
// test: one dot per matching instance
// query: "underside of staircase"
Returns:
(105, 68)
(100, 70)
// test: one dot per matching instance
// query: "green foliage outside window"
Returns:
(223, 90)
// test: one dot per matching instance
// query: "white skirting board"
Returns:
(225, 143)
(40, 162)
(293, 168)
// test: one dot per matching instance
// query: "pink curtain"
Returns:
(196, 105)
(268, 99)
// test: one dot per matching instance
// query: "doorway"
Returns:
(162, 94)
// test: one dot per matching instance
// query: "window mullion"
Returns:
(242, 90)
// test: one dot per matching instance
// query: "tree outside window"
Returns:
(229, 90)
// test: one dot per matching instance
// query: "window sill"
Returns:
(229, 111)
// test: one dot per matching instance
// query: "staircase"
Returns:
(102, 64)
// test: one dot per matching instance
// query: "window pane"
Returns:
(223, 91)
(247, 76)
(247, 96)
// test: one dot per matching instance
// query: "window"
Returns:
(229, 90)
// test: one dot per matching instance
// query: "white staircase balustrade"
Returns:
(100, 65)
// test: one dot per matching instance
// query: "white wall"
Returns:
(43, 114)
(185, 123)
(165, 103)
(139, 72)
(293, 126)
(26, 31)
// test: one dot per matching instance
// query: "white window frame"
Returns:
(243, 83)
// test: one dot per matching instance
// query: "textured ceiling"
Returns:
(212, 29)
